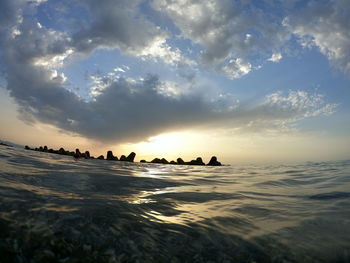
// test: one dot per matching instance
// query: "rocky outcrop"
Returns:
(62, 151)
(77, 154)
(131, 157)
(111, 157)
(198, 161)
(180, 161)
(123, 158)
(214, 162)
(156, 160)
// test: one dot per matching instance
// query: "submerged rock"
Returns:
(111, 157)
(131, 157)
(214, 162)
(27, 147)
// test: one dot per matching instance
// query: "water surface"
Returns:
(57, 209)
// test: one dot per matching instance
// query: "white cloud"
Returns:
(236, 68)
(276, 57)
(159, 49)
(226, 30)
(325, 25)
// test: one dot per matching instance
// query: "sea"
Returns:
(54, 208)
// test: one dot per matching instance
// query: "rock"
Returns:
(173, 162)
(27, 147)
(51, 151)
(143, 161)
(131, 157)
(123, 158)
(180, 161)
(164, 161)
(101, 157)
(198, 161)
(41, 149)
(111, 157)
(156, 160)
(77, 153)
(214, 162)
(45, 149)
(62, 151)
(87, 155)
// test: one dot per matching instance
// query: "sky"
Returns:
(247, 81)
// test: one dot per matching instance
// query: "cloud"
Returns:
(124, 109)
(235, 68)
(120, 24)
(226, 30)
(325, 24)
(276, 57)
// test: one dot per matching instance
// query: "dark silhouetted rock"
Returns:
(45, 149)
(41, 148)
(180, 161)
(71, 153)
(101, 157)
(27, 147)
(111, 157)
(87, 155)
(214, 162)
(77, 153)
(131, 157)
(36, 149)
(173, 162)
(51, 151)
(198, 161)
(123, 158)
(62, 151)
(143, 161)
(156, 160)
(164, 161)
